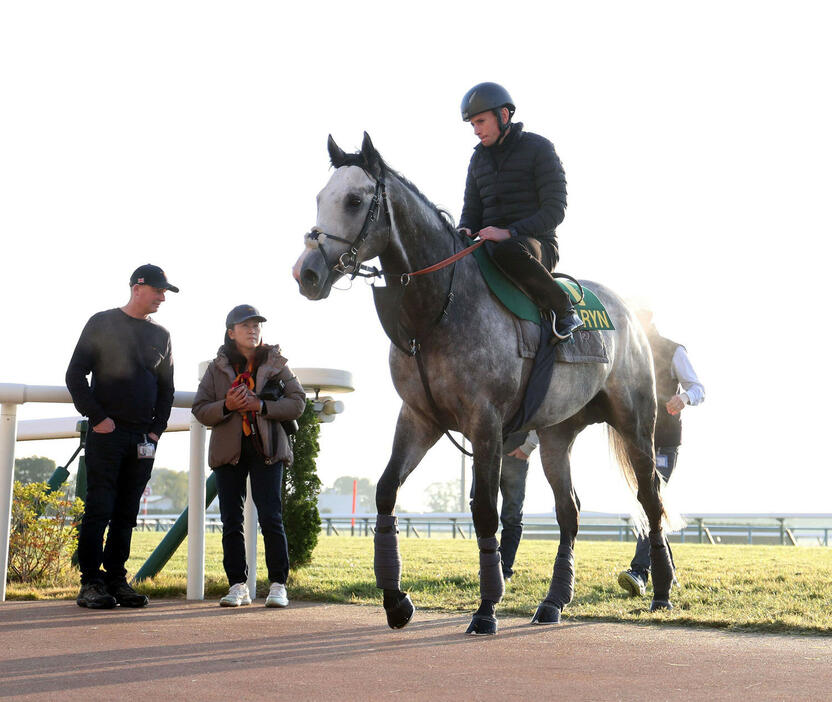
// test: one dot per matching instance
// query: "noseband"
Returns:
(347, 263)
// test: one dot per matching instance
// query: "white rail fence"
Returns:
(314, 380)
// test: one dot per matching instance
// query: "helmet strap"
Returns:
(504, 126)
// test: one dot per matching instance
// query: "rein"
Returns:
(405, 279)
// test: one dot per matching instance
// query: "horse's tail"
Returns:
(618, 447)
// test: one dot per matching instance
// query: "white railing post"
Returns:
(195, 589)
(314, 380)
(250, 527)
(8, 436)
(196, 513)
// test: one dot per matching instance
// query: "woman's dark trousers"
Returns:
(266, 489)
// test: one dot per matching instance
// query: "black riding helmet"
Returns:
(484, 97)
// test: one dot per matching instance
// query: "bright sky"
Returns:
(697, 146)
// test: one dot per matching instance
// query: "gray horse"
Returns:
(472, 379)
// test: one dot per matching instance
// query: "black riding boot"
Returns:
(529, 262)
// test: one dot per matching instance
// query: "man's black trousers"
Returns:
(116, 479)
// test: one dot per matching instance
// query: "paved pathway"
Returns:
(176, 650)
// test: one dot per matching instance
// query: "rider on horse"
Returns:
(515, 196)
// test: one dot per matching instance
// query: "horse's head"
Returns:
(353, 221)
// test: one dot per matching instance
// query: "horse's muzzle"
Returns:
(314, 279)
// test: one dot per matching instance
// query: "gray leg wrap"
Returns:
(492, 585)
(661, 567)
(388, 562)
(562, 587)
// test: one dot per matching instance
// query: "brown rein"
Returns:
(442, 264)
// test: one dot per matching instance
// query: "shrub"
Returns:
(43, 534)
(300, 491)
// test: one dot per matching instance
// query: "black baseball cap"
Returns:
(242, 313)
(151, 275)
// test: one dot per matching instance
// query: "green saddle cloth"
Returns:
(592, 311)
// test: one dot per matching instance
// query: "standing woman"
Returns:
(247, 440)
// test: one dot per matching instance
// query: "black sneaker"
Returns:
(565, 325)
(126, 596)
(95, 596)
(633, 582)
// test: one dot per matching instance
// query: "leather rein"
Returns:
(347, 263)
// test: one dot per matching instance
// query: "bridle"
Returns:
(347, 263)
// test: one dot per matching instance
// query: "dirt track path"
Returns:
(199, 651)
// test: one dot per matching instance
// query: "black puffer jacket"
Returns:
(518, 185)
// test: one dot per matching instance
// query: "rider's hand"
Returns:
(105, 426)
(675, 404)
(494, 234)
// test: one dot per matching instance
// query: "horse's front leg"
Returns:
(555, 446)
(414, 436)
(488, 444)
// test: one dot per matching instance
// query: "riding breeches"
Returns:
(529, 262)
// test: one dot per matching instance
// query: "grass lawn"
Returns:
(750, 588)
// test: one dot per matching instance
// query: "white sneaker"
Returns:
(277, 596)
(237, 595)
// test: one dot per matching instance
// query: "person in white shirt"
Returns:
(677, 386)
(516, 451)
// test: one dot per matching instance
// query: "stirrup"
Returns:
(576, 324)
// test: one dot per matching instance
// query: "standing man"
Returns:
(516, 451)
(515, 197)
(676, 387)
(128, 404)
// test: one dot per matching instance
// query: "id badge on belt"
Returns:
(146, 449)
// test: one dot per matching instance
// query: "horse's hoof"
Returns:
(482, 625)
(656, 605)
(546, 614)
(400, 615)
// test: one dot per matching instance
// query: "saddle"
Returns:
(534, 333)
(589, 307)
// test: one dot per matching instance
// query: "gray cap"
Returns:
(484, 97)
(242, 313)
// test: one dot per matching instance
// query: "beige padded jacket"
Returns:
(227, 428)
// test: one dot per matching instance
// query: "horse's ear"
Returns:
(371, 158)
(336, 154)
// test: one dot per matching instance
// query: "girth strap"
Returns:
(429, 395)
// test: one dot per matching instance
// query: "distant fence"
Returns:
(784, 529)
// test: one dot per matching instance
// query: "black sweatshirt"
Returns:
(132, 372)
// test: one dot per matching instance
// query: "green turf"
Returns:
(751, 588)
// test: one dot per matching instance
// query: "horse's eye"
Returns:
(353, 201)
